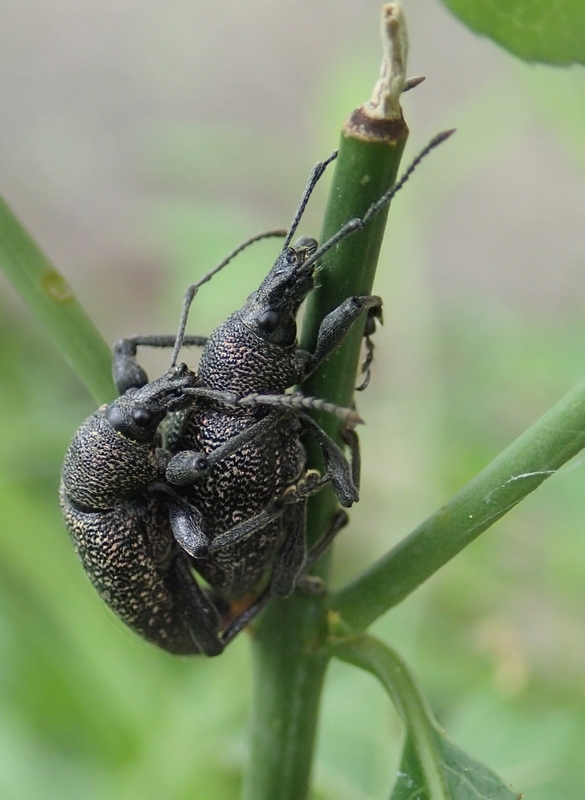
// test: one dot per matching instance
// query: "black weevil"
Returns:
(212, 462)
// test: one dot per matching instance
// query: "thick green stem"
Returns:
(522, 467)
(288, 676)
(289, 660)
(50, 297)
(366, 168)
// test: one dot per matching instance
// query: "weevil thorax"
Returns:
(254, 350)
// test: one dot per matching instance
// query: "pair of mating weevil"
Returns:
(206, 470)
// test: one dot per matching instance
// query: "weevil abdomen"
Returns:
(128, 553)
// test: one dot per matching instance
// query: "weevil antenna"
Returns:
(298, 402)
(194, 288)
(358, 224)
(295, 402)
(316, 173)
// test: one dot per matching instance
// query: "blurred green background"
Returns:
(140, 142)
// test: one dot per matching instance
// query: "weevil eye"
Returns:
(269, 320)
(142, 417)
(115, 416)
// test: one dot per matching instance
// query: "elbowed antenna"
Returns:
(357, 224)
(316, 173)
(350, 227)
(295, 402)
(192, 290)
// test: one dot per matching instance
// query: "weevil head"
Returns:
(271, 310)
(138, 413)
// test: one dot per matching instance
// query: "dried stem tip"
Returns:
(380, 119)
(384, 103)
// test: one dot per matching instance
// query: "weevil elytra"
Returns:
(206, 471)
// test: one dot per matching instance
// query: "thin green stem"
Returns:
(50, 297)
(385, 664)
(431, 766)
(365, 169)
(536, 455)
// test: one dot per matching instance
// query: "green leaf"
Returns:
(464, 777)
(535, 30)
(432, 767)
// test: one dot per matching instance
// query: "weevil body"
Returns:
(251, 528)
(121, 529)
(207, 470)
(223, 491)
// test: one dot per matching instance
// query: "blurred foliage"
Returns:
(49, 297)
(496, 639)
(535, 30)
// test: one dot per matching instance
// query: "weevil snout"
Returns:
(288, 282)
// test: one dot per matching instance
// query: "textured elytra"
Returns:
(125, 543)
(238, 488)
(110, 498)
(242, 485)
(102, 467)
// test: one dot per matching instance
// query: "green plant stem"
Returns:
(289, 669)
(289, 661)
(431, 766)
(536, 455)
(365, 169)
(385, 664)
(51, 299)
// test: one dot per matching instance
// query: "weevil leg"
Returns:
(338, 522)
(247, 527)
(335, 326)
(291, 559)
(188, 528)
(127, 372)
(188, 465)
(312, 584)
(244, 619)
(351, 439)
(374, 315)
(336, 464)
(202, 614)
(309, 484)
